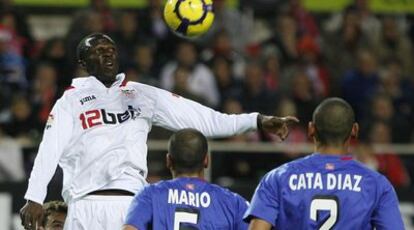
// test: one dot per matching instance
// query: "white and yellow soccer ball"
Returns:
(189, 18)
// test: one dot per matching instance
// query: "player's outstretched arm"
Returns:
(174, 112)
(259, 224)
(31, 215)
(129, 227)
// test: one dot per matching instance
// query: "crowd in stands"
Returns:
(281, 64)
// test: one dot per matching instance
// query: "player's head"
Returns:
(187, 152)
(98, 55)
(333, 123)
(55, 214)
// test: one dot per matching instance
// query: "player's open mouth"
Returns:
(109, 63)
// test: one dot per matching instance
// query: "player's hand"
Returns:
(31, 215)
(276, 125)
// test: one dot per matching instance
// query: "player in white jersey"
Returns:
(97, 133)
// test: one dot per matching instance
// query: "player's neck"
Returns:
(199, 175)
(331, 150)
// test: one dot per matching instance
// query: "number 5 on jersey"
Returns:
(185, 215)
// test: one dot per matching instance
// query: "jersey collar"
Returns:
(92, 81)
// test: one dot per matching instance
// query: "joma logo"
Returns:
(87, 98)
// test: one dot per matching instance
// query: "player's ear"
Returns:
(206, 161)
(311, 130)
(355, 130)
(168, 161)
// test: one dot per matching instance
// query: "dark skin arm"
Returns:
(276, 125)
(258, 224)
(31, 215)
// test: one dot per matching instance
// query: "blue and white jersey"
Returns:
(326, 192)
(187, 203)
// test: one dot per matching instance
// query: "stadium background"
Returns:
(273, 56)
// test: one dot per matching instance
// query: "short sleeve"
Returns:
(387, 215)
(140, 211)
(265, 201)
(241, 208)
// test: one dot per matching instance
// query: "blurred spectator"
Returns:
(237, 25)
(297, 132)
(284, 37)
(394, 44)
(398, 87)
(127, 35)
(201, 81)
(44, 91)
(23, 125)
(388, 163)
(302, 94)
(144, 64)
(370, 25)
(222, 46)
(341, 46)
(228, 86)
(313, 65)
(255, 96)
(272, 68)
(54, 52)
(360, 83)
(11, 160)
(306, 22)
(181, 87)
(12, 68)
(382, 110)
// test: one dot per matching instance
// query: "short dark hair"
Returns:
(188, 148)
(53, 207)
(87, 42)
(333, 120)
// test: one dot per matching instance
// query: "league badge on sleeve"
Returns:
(49, 122)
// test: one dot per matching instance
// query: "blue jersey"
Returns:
(187, 203)
(326, 192)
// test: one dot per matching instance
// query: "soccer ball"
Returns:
(189, 18)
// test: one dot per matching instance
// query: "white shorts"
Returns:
(97, 212)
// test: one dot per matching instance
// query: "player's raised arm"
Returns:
(175, 112)
(387, 215)
(56, 136)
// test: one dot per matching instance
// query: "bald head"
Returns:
(333, 120)
(188, 149)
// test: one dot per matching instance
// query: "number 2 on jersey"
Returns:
(185, 215)
(325, 203)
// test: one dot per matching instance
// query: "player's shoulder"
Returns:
(287, 168)
(225, 194)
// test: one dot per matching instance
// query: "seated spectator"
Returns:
(181, 87)
(302, 94)
(393, 43)
(306, 22)
(11, 159)
(382, 110)
(360, 83)
(255, 97)
(201, 81)
(144, 64)
(12, 68)
(44, 91)
(386, 161)
(23, 124)
(227, 84)
(54, 52)
(54, 215)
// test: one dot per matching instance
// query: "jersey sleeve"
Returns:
(140, 211)
(56, 137)
(241, 208)
(174, 112)
(265, 201)
(387, 214)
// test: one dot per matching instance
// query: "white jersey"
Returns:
(98, 135)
